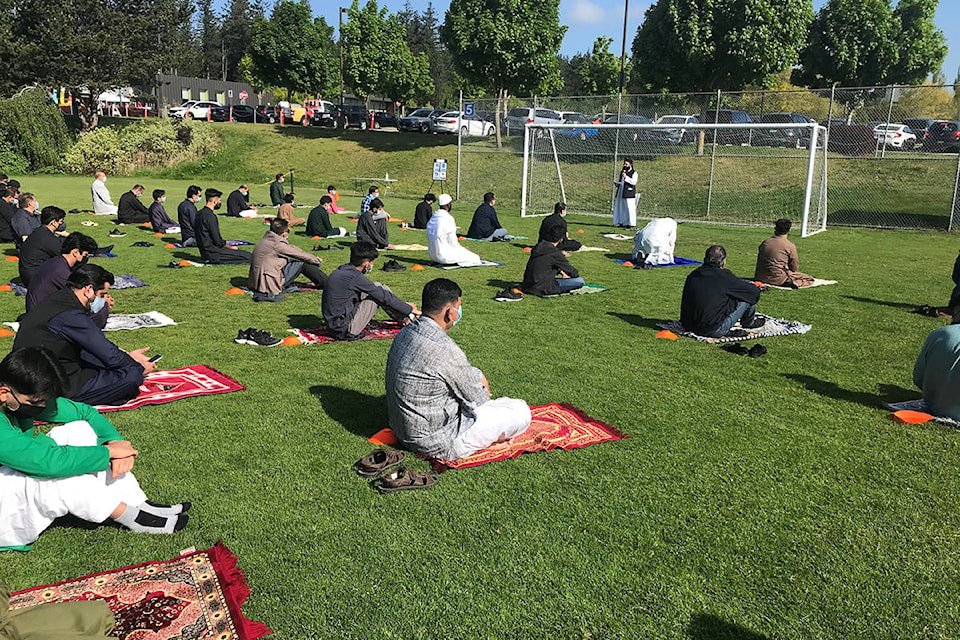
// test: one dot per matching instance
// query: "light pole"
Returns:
(340, 36)
(623, 48)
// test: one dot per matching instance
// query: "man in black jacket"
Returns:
(485, 224)
(714, 299)
(213, 248)
(424, 211)
(548, 271)
(558, 219)
(42, 244)
(7, 211)
(238, 205)
(187, 216)
(131, 210)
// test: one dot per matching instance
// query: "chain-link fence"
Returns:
(893, 151)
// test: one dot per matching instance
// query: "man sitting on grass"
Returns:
(238, 203)
(443, 245)
(98, 371)
(277, 191)
(277, 263)
(548, 271)
(439, 405)
(372, 226)
(187, 217)
(52, 275)
(82, 467)
(424, 211)
(777, 260)
(42, 244)
(287, 210)
(26, 219)
(213, 248)
(130, 209)
(350, 299)
(558, 219)
(937, 370)
(714, 299)
(318, 222)
(485, 224)
(159, 220)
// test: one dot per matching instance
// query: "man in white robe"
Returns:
(655, 242)
(444, 248)
(102, 204)
(625, 204)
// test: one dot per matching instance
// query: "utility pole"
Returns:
(340, 37)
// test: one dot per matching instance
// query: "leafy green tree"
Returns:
(211, 41)
(235, 34)
(293, 50)
(705, 45)
(422, 37)
(922, 47)
(599, 71)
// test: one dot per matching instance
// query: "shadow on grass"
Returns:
(403, 258)
(886, 392)
(304, 321)
(502, 284)
(884, 303)
(705, 626)
(887, 219)
(637, 321)
(373, 140)
(358, 413)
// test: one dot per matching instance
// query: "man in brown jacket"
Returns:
(777, 260)
(285, 212)
(276, 263)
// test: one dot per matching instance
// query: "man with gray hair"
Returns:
(102, 204)
(714, 299)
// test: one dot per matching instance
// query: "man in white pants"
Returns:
(102, 204)
(625, 203)
(82, 467)
(442, 243)
(439, 405)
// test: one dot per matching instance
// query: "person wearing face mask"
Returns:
(98, 371)
(26, 219)
(159, 220)
(52, 275)
(238, 203)
(82, 467)
(276, 191)
(350, 299)
(131, 210)
(42, 244)
(438, 404)
(102, 204)
(277, 263)
(213, 248)
(558, 219)
(187, 217)
(8, 208)
(318, 222)
(625, 205)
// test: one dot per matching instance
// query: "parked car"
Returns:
(354, 115)
(918, 126)
(420, 120)
(942, 135)
(518, 117)
(790, 138)
(727, 116)
(196, 109)
(324, 113)
(454, 121)
(383, 119)
(581, 133)
(628, 134)
(267, 113)
(678, 133)
(898, 136)
(293, 113)
(235, 113)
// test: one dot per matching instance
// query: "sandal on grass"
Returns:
(403, 479)
(378, 461)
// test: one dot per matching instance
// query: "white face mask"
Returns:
(97, 304)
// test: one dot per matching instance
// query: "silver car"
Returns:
(518, 117)
(454, 121)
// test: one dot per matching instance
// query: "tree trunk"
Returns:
(500, 110)
(87, 109)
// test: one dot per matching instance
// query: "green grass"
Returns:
(754, 498)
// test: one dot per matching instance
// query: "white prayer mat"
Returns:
(585, 248)
(771, 327)
(817, 282)
(408, 247)
(485, 263)
(921, 406)
(616, 236)
(126, 321)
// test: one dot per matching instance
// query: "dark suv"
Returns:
(727, 116)
(792, 138)
(942, 135)
(354, 115)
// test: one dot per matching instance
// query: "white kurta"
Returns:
(625, 209)
(30, 505)
(443, 246)
(656, 241)
(102, 204)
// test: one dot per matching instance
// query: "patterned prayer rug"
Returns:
(772, 327)
(409, 247)
(485, 263)
(161, 387)
(126, 321)
(554, 426)
(197, 595)
(617, 236)
(677, 262)
(817, 282)
(582, 291)
(921, 406)
(376, 330)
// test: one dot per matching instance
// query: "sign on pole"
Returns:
(440, 169)
(244, 95)
(469, 109)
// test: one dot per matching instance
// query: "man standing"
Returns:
(777, 260)
(276, 191)
(238, 203)
(372, 226)
(558, 219)
(625, 205)
(98, 371)
(485, 224)
(42, 244)
(131, 210)
(187, 217)
(438, 404)
(548, 271)
(7, 211)
(714, 299)
(276, 264)
(443, 246)
(213, 248)
(424, 211)
(350, 299)
(159, 220)
(102, 204)
(318, 222)
(26, 219)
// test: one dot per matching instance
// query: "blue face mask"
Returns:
(163, 199)
(97, 304)
(36, 206)
(459, 316)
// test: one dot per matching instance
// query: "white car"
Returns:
(898, 136)
(196, 109)
(677, 133)
(454, 121)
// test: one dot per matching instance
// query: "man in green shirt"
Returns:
(937, 370)
(276, 191)
(82, 467)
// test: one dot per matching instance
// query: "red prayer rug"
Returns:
(197, 595)
(376, 330)
(161, 387)
(554, 426)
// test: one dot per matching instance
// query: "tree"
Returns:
(211, 41)
(865, 43)
(422, 30)
(598, 72)
(235, 34)
(705, 45)
(294, 51)
(507, 46)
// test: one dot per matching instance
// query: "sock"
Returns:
(165, 509)
(142, 521)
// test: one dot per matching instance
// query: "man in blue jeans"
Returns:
(714, 299)
(548, 271)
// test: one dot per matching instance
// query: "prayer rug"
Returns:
(585, 249)
(197, 595)
(921, 406)
(124, 281)
(160, 387)
(584, 290)
(408, 247)
(677, 262)
(817, 282)
(126, 321)
(616, 236)
(485, 263)
(508, 237)
(376, 330)
(772, 327)
(554, 426)
(231, 243)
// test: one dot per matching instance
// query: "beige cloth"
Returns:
(270, 256)
(78, 620)
(286, 213)
(778, 264)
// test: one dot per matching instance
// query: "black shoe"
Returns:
(142, 243)
(736, 349)
(116, 233)
(329, 247)
(757, 322)
(243, 336)
(508, 295)
(501, 239)
(736, 333)
(262, 338)
(175, 265)
(393, 266)
(757, 351)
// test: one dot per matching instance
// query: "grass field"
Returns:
(767, 498)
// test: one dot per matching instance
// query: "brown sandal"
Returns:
(378, 461)
(403, 479)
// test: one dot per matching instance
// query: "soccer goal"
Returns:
(737, 174)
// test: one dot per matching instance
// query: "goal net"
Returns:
(719, 173)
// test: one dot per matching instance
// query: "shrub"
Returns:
(12, 163)
(32, 129)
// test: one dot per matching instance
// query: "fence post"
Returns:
(526, 166)
(883, 148)
(955, 206)
(713, 156)
(459, 128)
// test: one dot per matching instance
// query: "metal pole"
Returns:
(556, 162)
(713, 156)
(340, 37)
(526, 166)
(810, 166)
(883, 149)
(955, 207)
(459, 129)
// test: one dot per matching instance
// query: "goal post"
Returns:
(736, 174)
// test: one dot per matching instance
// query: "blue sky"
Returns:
(589, 19)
